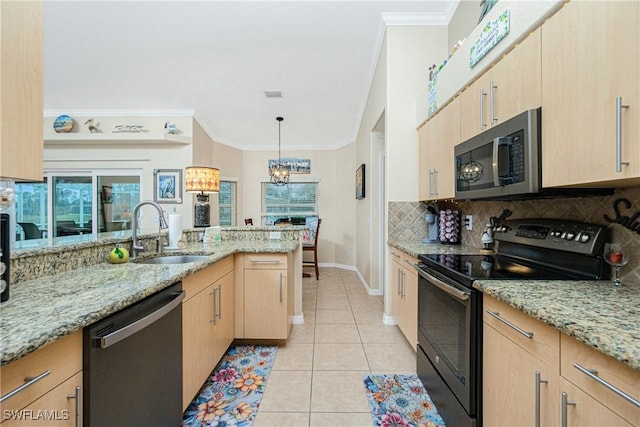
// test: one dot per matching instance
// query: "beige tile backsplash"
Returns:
(406, 219)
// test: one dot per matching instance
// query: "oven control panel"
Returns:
(571, 236)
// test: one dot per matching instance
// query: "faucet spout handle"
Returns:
(163, 220)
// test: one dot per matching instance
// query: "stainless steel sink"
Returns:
(172, 259)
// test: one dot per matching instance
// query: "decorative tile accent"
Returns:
(406, 219)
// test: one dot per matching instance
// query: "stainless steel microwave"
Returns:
(501, 162)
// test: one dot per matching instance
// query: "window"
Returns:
(227, 201)
(292, 202)
(78, 202)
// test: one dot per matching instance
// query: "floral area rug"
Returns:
(231, 396)
(400, 401)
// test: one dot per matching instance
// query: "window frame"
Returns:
(263, 203)
(234, 201)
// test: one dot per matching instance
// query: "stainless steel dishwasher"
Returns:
(132, 363)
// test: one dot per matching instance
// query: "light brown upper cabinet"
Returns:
(590, 85)
(21, 86)
(437, 137)
(510, 87)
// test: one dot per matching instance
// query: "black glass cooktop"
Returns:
(467, 268)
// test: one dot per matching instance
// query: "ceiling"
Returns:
(217, 58)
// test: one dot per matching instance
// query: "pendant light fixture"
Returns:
(279, 172)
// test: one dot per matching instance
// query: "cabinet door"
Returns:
(198, 342)
(21, 104)
(396, 291)
(584, 411)
(223, 330)
(590, 57)
(474, 108)
(410, 306)
(509, 384)
(59, 407)
(446, 134)
(511, 86)
(424, 164)
(515, 83)
(265, 304)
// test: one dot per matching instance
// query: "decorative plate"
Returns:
(63, 124)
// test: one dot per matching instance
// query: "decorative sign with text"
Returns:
(631, 222)
(491, 35)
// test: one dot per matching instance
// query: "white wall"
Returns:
(411, 50)
(463, 21)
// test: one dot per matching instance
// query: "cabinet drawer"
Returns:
(196, 282)
(55, 408)
(396, 255)
(575, 354)
(265, 261)
(62, 359)
(545, 340)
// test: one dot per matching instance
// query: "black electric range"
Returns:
(531, 249)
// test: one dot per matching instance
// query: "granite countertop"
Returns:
(596, 313)
(43, 310)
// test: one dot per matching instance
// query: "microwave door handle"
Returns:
(494, 164)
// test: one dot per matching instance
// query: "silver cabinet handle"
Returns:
(138, 325)
(492, 103)
(395, 255)
(220, 301)
(593, 374)
(509, 324)
(538, 382)
(399, 281)
(28, 382)
(482, 95)
(403, 294)
(430, 182)
(619, 108)
(435, 181)
(213, 294)
(281, 287)
(77, 397)
(265, 261)
(565, 403)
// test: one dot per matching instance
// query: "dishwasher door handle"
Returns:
(127, 331)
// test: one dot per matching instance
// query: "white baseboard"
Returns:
(372, 292)
(298, 319)
(388, 320)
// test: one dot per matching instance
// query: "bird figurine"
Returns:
(171, 128)
(92, 127)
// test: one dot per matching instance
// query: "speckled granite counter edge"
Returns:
(416, 247)
(20, 335)
(593, 312)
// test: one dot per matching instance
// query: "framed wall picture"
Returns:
(293, 165)
(167, 186)
(360, 181)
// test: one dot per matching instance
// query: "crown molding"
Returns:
(122, 113)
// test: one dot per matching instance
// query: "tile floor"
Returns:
(316, 378)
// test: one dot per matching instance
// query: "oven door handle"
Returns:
(454, 292)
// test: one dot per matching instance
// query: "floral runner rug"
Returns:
(231, 396)
(400, 401)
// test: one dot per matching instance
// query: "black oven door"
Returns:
(449, 332)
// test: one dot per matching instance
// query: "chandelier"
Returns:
(278, 172)
(471, 171)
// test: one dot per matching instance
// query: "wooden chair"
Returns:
(248, 221)
(312, 246)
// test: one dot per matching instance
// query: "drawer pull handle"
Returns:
(538, 382)
(395, 255)
(509, 324)
(28, 381)
(565, 403)
(265, 261)
(594, 376)
(77, 396)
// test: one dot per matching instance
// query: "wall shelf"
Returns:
(102, 139)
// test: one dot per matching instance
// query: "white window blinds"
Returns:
(296, 199)
(227, 201)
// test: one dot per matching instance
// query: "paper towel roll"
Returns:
(175, 229)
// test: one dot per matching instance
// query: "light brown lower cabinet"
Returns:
(207, 324)
(61, 406)
(264, 295)
(534, 375)
(581, 410)
(48, 376)
(404, 294)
